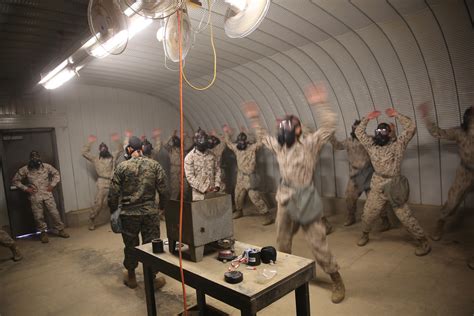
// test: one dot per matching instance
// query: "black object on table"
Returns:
(206, 276)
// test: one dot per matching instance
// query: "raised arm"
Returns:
(227, 140)
(156, 135)
(86, 150)
(360, 132)
(336, 144)
(117, 145)
(168, 145)
(252, 113)
(435, 130)
(409, 126)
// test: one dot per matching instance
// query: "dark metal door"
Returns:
(16, 148)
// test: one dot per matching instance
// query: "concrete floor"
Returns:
(82, 275)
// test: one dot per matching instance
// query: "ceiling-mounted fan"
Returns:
(151, 9)
(171, 38)
(244, 16)
(109, 28)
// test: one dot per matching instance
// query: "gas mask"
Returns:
(467, 121)
(35, 160)
(242, 141)
(104, 151)
(213, 141)
(175, 141)
(201, 140)
(134, 144)
(147, 147)
(287, 131)
(382, 134)
(354, 126)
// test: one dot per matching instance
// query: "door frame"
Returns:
(7, 182)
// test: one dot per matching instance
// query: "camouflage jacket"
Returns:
(387, 160)
(103, 166)
(202, 171)
(136, 181)
(246, 159)
(40, 178)
(356, 154)
(464, 140)
(298, 163)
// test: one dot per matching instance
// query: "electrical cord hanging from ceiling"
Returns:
(214, 52)
(181, 134)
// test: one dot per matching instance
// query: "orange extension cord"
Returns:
(181, 133)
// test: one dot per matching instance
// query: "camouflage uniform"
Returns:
(104, 168)
(6, 240)
(359, 161)
(135, 183)
(175, 168)
(217, 151)
(202, 172)
(387, 161)
(464, 179)
(297, 166)
(40, 179)
(246, 163)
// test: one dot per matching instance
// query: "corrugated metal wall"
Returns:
(76, 111)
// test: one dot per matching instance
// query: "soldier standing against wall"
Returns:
(360, 174)
(201, 169)
(387, 184)
(7, 241)
(299, 203)
(247, 181)
(104, 167)
(42, 178)
(464, 180)
(136, 182)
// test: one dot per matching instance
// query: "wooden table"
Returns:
(207, 277)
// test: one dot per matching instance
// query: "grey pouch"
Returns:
(397, 191)
(363, 177)
(305, 205)
(254, 181)
(116, 222)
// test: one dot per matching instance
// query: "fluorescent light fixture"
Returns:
(61, 74)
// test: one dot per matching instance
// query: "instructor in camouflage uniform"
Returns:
(360, 174)
(7, 241)
(299, 203)
(41, 178)
(464, 180)
(104, 166)
(387, 184)
(134, 185)
(201, 169)
(247, 182)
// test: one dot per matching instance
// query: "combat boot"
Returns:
(237, 214)
(268, 219)
(423, 247)
(385, 224)
(16, 253)
(44, 237)
(328, 225)
(364, 239)
(91, 224)
(129, 279)
(62, 233)
(159, 282)
(438, 231)
(350, 220)
(338, 288)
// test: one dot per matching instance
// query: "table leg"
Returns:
(201, 302)
(302, 300)
(247, 311)
(148, 277)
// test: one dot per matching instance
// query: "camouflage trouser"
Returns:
(377, 201)
(462, 183)
(222, 185)
(175, 173)
(100, 202)
(37, 207)
(5, 239)
(314, 233)
(242, 187)
(132, 225)
(353, 192)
